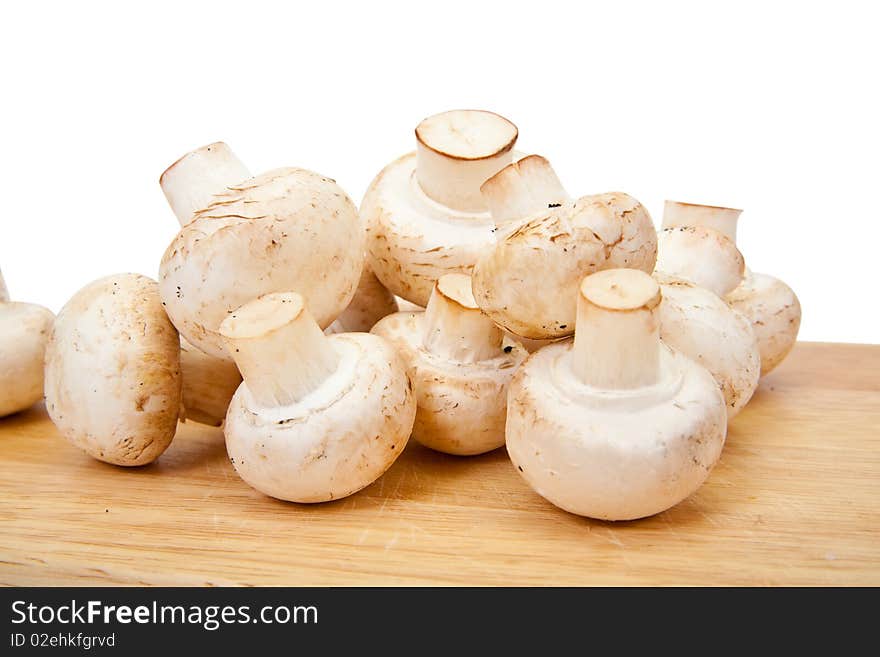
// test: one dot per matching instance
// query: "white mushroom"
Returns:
(770, 305)
(424, 212)
(24, 331)
(284, 229)
(614, 425)
(113, 384)
(699, 324)
(372, 301)
(208, 385)
(528, 281)
(317, 417)
(696, 266)
(701, 255)
(460, 364)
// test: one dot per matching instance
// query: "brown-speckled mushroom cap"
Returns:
(285, 229)
(424, 212)
(113, 383)
(24, 331)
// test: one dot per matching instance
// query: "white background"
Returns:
(772, 107)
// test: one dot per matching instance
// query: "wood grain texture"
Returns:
(794, 500)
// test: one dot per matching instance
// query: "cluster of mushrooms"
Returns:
(608, 357)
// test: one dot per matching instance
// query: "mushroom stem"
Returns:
(4, 293)
(457, 150)
(617, 337)
(724, 220)
(522, 188)
(455, 327)
(279, 349)
(191, 182)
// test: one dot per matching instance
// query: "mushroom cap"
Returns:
(775, 313)
(285, 229)
(697, 323)
(113, 383)
(531, 345)
(371, 302)
(461, 406)
(24, 332)
(702, 255)
(412, 240)
(334, 441)
(565, 244)
(613, 455)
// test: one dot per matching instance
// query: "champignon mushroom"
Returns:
(531, 345)
(405, 306)
(770, 304)
(615, 424)
(528, 280)
(285, 229)
(460, 364)
(424, 213)
(113, 383)
(702, 255)
(317, 417)
(24, 331)
(372, 301)
(700, 325)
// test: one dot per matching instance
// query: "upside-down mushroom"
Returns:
(460, 364)
(317, 417)
(243, 237)
(614, 424)
(371, 302)
(113, 383)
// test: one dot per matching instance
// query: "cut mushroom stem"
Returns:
(24, 331)
(724, 220)
(190, 183)
(617, 344)
(457, 150)
(521, 189)
(279, 348)
(455, 327)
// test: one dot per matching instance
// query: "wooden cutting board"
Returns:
(794, 500)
